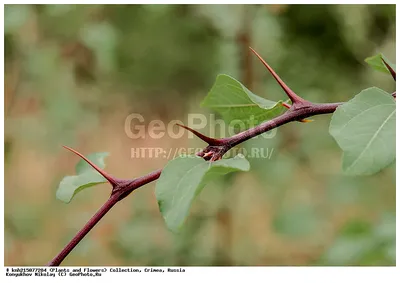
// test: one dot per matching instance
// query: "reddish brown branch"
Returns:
(82, 233)
(120, 189)
(298, 111)
(211, 152)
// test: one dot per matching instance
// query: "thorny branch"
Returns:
(297, 111)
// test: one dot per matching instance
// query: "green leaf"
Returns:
(97, 158)
(376, 63)
(365, 129)
(183, 179)
(86, 177)
(235, 102)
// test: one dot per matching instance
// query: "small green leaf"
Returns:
(97, 158)
(86, 177)
(183, 179)
(365, 129)
(376, 63)
(235, 102)
(71, 185)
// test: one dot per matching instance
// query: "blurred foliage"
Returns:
(359, 242)
(74, 72)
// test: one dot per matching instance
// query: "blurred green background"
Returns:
(73, 73)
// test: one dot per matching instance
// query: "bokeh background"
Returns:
(73, 73)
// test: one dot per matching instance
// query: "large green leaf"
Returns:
(235, 102)
(86, 177)
(183, 179)
(376, 63)
(365, 128)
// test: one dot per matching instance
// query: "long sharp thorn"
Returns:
(392, 72)
(109, 178)
(290, 93)
(208, 140)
